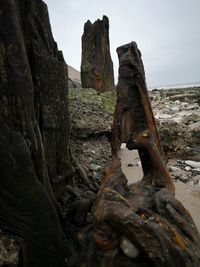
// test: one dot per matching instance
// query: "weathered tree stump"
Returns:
(138, 225)
(96, 64)
(34, 129)
(141, 224)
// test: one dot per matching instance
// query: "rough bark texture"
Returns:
(96, 65)
(138, 225)
(133, 112)
(141, 224)
(34, 128)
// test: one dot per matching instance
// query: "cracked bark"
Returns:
(157, 229)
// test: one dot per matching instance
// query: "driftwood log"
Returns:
(142, 224)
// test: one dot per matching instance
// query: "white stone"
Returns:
(174, 169)
(195, 126)
(184, 104)
(165, 116)
(123, 145)
(193, 164)
(175, 108)
(128, 248)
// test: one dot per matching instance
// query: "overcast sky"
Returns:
(167, 33)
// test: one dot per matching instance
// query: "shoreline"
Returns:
(184, 192)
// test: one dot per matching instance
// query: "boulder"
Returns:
(191, 118)
(176, 139)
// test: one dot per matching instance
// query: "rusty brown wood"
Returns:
(142, 224)
(133, 111)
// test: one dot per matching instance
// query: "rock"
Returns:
(174, 109)
(9, 250)
(96, 64)
(183, 178)
(164, 116)
(196, 180)
(193, 164)
(183, 104)
(187, 97)
(196, 170)
(195, 126)
(191, 118)
(175, 139)
(123, 145)
(174, 169)
(128, 248)
(91, 113)
(180, 173)
(187, 168)
(94, 167)
(91, 120)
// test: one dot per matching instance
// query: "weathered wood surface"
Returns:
(96, 64)
(138, 225)
(34, 128)
(142, 224)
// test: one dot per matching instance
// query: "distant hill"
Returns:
(74, 77)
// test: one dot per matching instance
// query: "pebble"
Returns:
(123, 145)
(187, 168)
(174, 109)
(197, 170)
(128, 248)
(174, 169)
(94, 167)
(196, 182)
(184, 104)
(164, 116)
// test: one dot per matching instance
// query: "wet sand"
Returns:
(188, 195)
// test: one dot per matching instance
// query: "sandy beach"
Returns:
(187, 194)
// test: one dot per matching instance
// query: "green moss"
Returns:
(91, 110)
(88, 96)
